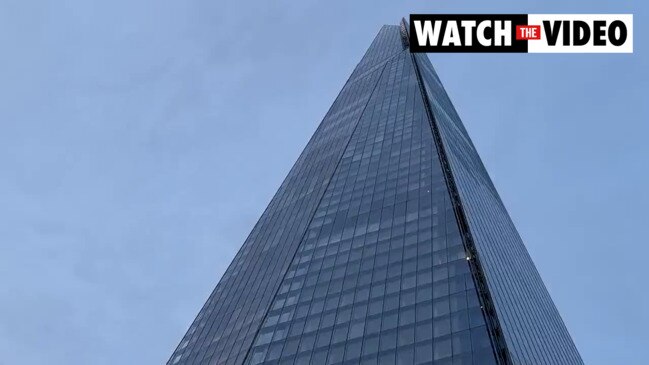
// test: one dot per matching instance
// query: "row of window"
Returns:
(381, 275)
(326, 349)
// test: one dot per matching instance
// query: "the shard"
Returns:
(387, 243)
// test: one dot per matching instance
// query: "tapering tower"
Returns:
(387, 243)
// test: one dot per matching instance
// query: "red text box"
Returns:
(525, 32)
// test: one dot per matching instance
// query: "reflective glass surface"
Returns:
(381, 276)
(531, 325)
(226, 325)
(359, 259)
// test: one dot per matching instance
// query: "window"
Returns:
(442, 349)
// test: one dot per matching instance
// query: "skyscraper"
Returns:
(387, 243)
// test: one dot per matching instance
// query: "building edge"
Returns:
(486, 303)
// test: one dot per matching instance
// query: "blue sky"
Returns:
(141, 140)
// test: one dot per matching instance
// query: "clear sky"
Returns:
(141, 140)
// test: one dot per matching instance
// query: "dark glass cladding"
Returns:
(359, 258)
(226, 325)
(381, 275)
(531, 324)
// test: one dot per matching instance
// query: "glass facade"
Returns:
(361, 257)
(530, 323)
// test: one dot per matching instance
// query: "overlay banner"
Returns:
(521, 33)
